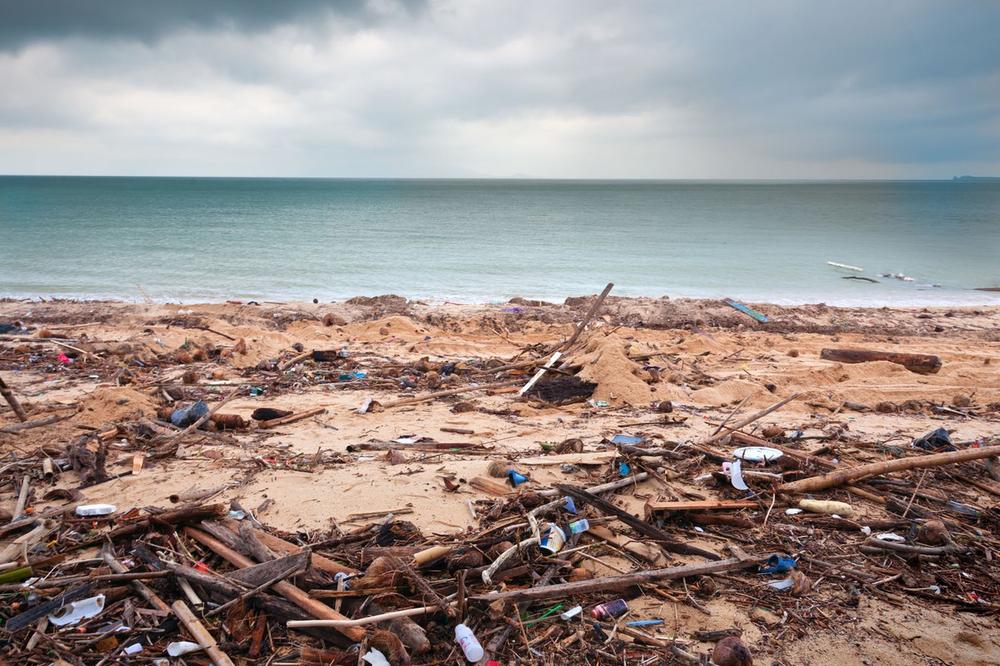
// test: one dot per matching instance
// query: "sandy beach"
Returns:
(111, 366)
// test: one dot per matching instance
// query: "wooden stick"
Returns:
(294, 360)
(346, 623)
(700, 505)
(291, 418)
(36, 423)
(441, 394)
(200, 634)
(586, 320)
(924, 364)
(667, 542)
(750, 419)
(872, 542)
(290, 571)
(298, 597)
(608, 583)
(144, 590)
(12, 401)
(843, 476)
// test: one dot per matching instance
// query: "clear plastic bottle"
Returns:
(469, 643)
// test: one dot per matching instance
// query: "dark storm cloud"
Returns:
(587, 88)
(25, 21)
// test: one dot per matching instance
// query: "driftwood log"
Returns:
(842, 476)
(924, 364)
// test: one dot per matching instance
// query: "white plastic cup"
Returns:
(469, 643)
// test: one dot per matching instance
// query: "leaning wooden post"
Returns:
(12, 401)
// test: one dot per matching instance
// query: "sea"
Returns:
(482, 241)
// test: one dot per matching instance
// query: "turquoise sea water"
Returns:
(200, 239)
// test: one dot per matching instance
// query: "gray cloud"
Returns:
(572, 88)
(25, 21)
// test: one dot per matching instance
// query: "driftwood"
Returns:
(840, 477)
(607, 583)
(924, 364)
(144, 590)
(292, 418)
(297, 596)
(667, 542)
(12, 401)
(179, 517)
(36, 423)
(699, 505)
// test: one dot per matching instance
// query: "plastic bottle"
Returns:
(579, 526)
(469, 643)
(610, 609)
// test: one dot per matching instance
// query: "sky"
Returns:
(475, 88)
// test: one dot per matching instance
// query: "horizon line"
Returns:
(517, 178)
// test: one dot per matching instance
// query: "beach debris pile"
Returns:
(549, 572)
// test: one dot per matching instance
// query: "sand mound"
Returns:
(724, 393)
(606, 363)
(396, 325)
(108, 405)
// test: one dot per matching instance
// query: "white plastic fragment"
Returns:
(79, 610)
(781, 584)
(135, 648)
(737, 476)
(179, 648)
(95, 509)
(890, 536)
(375, 658)
(792, 512)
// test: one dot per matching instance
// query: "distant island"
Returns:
(976, 179)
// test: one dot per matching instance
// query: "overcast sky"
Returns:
(470, 88)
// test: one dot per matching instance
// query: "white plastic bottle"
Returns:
(469, 643)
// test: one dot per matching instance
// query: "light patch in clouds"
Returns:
(555, 89)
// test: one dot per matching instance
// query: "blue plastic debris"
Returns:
(570, 505)
(626, 439)
(624, 469)
(182, 418)
(643, 623)
(516, 478)
(778, 564)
